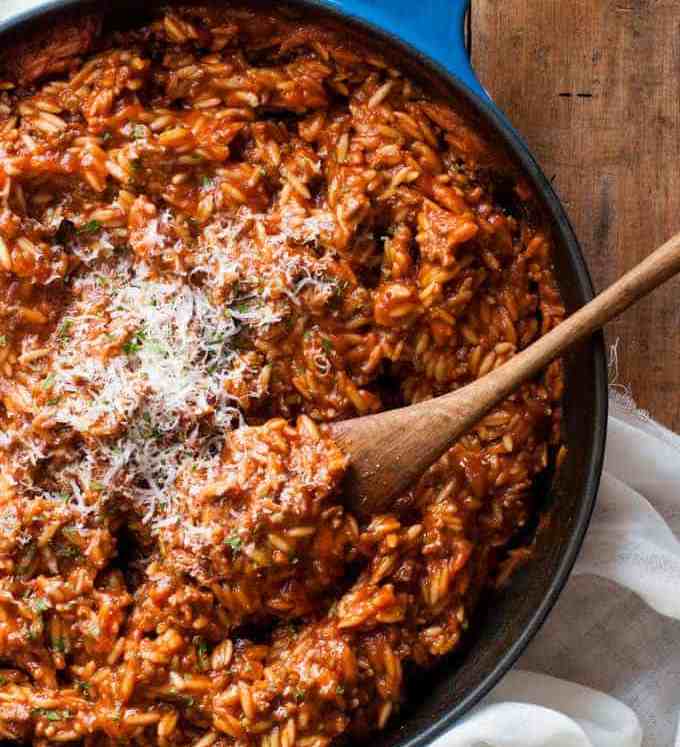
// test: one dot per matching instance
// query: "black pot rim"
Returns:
(499, 125)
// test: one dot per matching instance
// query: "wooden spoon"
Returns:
(389, 451)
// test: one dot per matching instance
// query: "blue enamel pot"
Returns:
(427, 39)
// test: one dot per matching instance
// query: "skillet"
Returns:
(427, 40)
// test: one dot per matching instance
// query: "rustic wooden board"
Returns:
(594, 87)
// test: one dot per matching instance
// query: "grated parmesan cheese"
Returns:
(148, 369)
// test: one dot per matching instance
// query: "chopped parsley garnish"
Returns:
(340, 690)
(48, 382)
(207, 181)
(153, 430)
(51, 715)
(84, 687)
(202, 653)
(59, 645)
(3, 680)
(3, 340)
(299, 696)
(40, 605)
(135, 344)
(235, 542)
(340, 287)
(26, 561)
(65, 329)
(326, 344)
(92, 226)
(68, 551)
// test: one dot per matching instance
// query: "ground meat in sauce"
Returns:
(218, 233)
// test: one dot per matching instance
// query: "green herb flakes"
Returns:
(64, 331)
(235, 542)
(40, 605)
(48, 382)
(202, 653)
(84, 687)
(92, 226)
(135, 344)
(59, 645)
(51, 715)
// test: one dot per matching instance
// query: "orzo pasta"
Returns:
(217, 233)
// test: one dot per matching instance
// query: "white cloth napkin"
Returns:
(616, 626)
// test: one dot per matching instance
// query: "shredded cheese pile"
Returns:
(146, 365)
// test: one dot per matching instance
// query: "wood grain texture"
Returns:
(593, 86)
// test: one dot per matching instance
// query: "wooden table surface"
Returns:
(594, 88)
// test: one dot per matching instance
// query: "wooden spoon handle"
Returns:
(391, 450)
(658, 267)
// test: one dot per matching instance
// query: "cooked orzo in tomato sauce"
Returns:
(219, 231)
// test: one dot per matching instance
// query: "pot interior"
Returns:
(507, 619)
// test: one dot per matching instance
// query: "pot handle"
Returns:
(434, 27)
